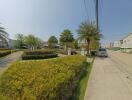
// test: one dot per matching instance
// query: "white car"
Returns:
(102, 52)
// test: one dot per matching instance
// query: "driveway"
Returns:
(111, 78)
(6, 61)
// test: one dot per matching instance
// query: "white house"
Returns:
(127, 43)
(12, 43)
(117, 44)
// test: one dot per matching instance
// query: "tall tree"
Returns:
(66, 38)
(88, 32)
(52, 41)
(32, 41)
(20, 41)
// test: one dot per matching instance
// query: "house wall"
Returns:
(12, 43)
(117, 44)
(127, 44)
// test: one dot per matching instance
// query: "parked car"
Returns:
(102, 52)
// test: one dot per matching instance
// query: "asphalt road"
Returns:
(6, 61)
(111, 78)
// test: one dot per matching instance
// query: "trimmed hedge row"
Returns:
(5, 49)
(39, 54)
(31, 57)
(53, 79)
(4, 52)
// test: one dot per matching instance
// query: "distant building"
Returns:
(127, 43)
(82, 43)
(12, 43)
(109, 45)
(117, 44)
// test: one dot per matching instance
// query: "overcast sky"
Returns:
(50, 17)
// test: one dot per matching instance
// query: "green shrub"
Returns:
(115, 48)
(4, 49)
(31, 57)
(39, 54)
(4, 52)
(93, 53)
(53, 79)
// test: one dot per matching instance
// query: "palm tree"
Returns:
(4, 36)
(88, 32)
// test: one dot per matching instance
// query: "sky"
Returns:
(50, 17)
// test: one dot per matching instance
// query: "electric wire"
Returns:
(86, 10)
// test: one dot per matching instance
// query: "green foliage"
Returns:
(33, 57)
(88, 32)
(39, 54)
(52, 79)
(4, 52)
(19, 41)
(3, 97)
(3, 32)
(83, 83)
(32, 41)
(4, 37)
(75, 44)
(66, 38)
(52, 41)
(1, 49)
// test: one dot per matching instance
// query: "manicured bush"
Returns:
(39, 54)
(4, 52)
(53, 79)
(4, 49)
(45, 56)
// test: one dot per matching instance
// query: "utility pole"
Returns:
(97, 13)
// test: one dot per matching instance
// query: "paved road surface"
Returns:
(111, 78)
(6, 61)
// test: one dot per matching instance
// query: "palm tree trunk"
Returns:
(88, 46)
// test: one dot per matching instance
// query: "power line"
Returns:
(100, 11)
(97, 13)
(86, 10)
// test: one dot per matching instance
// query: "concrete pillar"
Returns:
(69, 51)
(83, 51)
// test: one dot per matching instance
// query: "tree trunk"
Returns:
(65, 47)
(88, 46)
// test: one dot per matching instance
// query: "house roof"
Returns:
(126, 36)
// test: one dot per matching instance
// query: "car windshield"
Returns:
(102, 49)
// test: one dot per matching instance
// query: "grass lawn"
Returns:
(82, 85)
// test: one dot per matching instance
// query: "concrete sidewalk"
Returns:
(6, 61)
(109, 80)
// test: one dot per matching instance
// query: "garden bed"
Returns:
(4, 52)
(53, 79)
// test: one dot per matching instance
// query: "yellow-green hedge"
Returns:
(39, 54)
(52, 79)
(4, 52)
